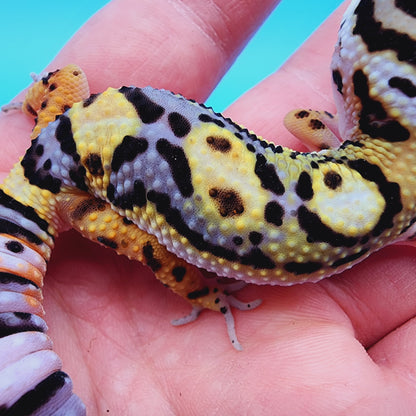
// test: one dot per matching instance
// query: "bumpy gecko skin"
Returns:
(53, 94)
(171, 183)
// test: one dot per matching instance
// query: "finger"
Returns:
(397, 351)
(377, 295)
(181, 45)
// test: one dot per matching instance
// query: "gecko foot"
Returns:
(224, 304)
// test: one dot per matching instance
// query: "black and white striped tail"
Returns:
(31, 380)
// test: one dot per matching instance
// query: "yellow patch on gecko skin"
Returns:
(109, 118)
(353, 207)
(228, 194)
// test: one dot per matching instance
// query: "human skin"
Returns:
(346, 345)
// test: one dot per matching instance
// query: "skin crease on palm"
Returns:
(344, 346)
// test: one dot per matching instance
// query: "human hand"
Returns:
(305, 346)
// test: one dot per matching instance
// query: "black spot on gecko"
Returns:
(47, 164)
(228, 201)
(337, 78)
(332, 180)
(90, 100)
(43, 104)
(200, 293)
(255, 238)
(205, 118)
(52, 87)
(304, 187)
(219, 144)
(87, 206)
(148, 111)
(317, 231)
(127, 150)
(107, 242)
(45, 80)
(278, 149)
(268, 176)
(64, 136)
(316, 124)
(77, 174)
(271, 146)
(237, 240)
(24, 316)
(389, 190)
(374, 120)
(347, 259)
(179, 124)
(179, 166)
(273, 213)
(151, 261)
(257, 259)
(302, 268)
(94, 165)
(302, 114)
(14, 246)
(378, 38)
(407, 6)
(135, 197)
(251, 148)
(39, 149)
(31, 110)
(126, 221)
(405, 85)
(178, 273)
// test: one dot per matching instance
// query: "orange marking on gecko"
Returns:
(53, 94)
(34, 293)
(35, 305)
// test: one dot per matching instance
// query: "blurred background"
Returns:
(32, 33)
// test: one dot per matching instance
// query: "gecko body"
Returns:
(169, 182)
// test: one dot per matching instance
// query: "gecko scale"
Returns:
(169, 182)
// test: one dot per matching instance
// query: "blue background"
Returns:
(32, 33)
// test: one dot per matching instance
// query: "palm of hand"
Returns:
(322, 348)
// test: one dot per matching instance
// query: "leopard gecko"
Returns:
(169, 182)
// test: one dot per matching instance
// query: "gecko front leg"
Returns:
(96, 220)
